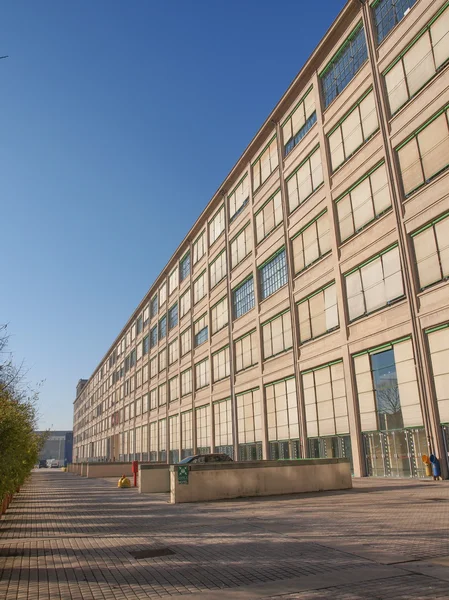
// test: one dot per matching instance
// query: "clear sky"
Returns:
(119, 121)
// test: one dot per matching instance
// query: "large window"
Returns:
(220, 364)
(162, 294)
(173, 281)
(146, 315)
(265, 163)
(438, 338)
(202, 415)
(173, 389)
(388, 13)
(269, 216)
(173, 316)
(238, 198)
(318, 313)
(153, 441)
(201, 330)
(162, 327)
(153, 306)
(273, 274)
(325, 400)
(387, 388)
(186, 341)
(173, 351)
(241, 245)
(431, 244)
(163, 440)
(199, 287)
(312, 242)
(353, 130)
(186, 434)
(243, 297)
(246, 351)
(305, 179)
(185, 302)
(162, 360)
(216, 225)
(153, 367)
(162, 394)
(366, 200)
(282, 417)
(374, 284)
(186, 382)
(184, 266)
(219, 315)
(299, 121)
(153, 337)
(145, 345)
(249, 419)
(344, 65)
(277, 335)
(425, 153)
(419, 62)
(199, 247)
(173, 422)
(223, 425)
(202, 374)
(217, 269)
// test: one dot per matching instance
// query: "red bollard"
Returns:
(135, 470)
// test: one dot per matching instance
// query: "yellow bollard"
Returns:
(427, 465)
(124, 482)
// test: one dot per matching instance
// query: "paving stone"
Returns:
(69, 537)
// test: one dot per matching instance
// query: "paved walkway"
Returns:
(72, 538)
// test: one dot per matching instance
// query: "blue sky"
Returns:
(116, 117)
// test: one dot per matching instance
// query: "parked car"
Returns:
(205, 458)
(54, 464)
(42, 464)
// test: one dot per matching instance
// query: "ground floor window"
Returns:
(185, 452)
(229, 450)
(153, 456)
(203, 449)
(250, 451)
(174, 457)
(284, 449)
(335, 446)
(395, 453)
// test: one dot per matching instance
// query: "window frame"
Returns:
(252, 293)
(321, 290)
(328, 98)
(430, 225)
(401, 55)
(264, 265)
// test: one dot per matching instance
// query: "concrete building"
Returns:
(306, 313)
(58, 447)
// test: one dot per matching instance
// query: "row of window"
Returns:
(387, 396)
(386, 390)
(370, 286)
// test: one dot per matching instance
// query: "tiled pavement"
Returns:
(72, 538)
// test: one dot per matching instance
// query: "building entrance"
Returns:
(395, 453)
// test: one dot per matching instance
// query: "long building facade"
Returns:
(306, 313)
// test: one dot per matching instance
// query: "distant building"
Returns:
(58, 447)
